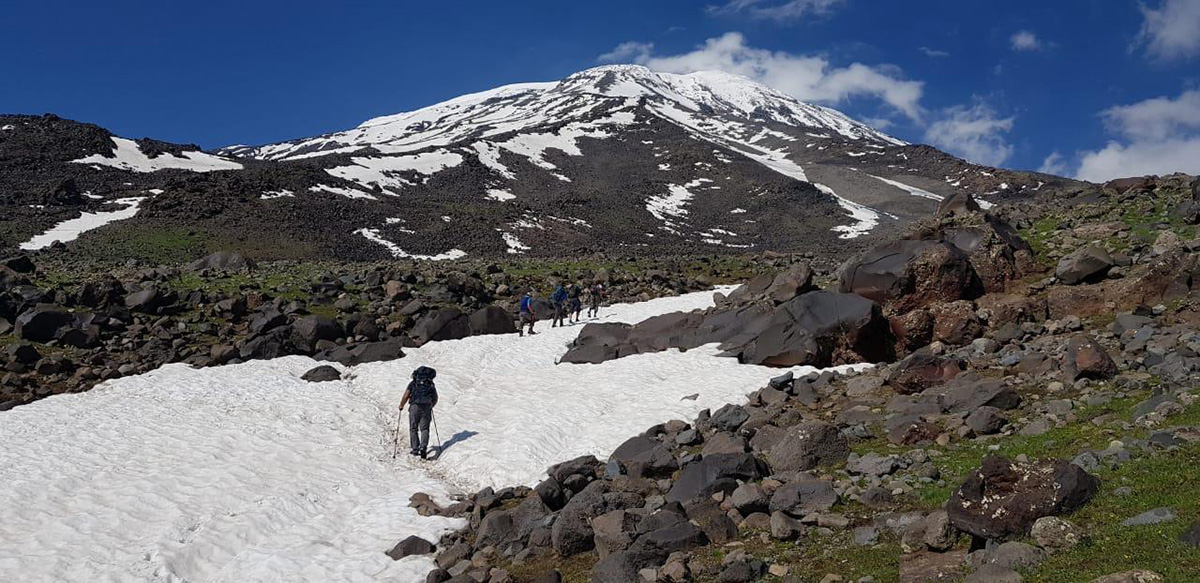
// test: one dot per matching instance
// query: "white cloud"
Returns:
(627, 52)
(780, 11)
(1023, 40)
(1156, 136)
(805, 77)
(1173, 30)
(975, 133)
(1156, 119)
(933, 52)
(1054, 164)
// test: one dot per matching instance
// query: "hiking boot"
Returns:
(424, 455)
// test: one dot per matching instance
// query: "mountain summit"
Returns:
(617, 157)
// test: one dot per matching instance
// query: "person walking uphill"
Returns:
(559, 299)
(576, 303)
(422, 393)
(528, 315)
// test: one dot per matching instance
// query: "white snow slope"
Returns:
(246, 473)
(71, 229)
(129, 156)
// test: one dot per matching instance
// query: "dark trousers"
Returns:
(419, 417)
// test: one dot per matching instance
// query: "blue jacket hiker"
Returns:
(528, 314)
(559, 299)
(423, 395)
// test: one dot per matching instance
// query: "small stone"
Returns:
(1156, 516)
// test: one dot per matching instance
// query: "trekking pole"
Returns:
(433, 418)
(396, 440)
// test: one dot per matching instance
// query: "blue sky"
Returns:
(1087, 87)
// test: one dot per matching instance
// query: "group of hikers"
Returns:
(567, 303)
(421, 393)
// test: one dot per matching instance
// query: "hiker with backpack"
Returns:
(422, 393)
(574, 296)
(559, 300)
(595, 295)
(528, 315)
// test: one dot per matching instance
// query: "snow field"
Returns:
(246, 473)
(71, 229)
(129, 156)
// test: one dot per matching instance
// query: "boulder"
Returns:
(43, 322)
(231, 261)
(572, 532)
(146, 301)
(808, 445)
(714, 473)
(986, 421)
(413, 545)
(492, 320)
(321, 374)
(309, 330)
(1055, 534)
(364, 352)
(614, 531)
(1004, 498)
(960, 203)
(645, 457)
(19, 264)
(441, 324)
(500, 527)
(815, 329)
(921, 370)
(803, 497)
(905, 275)
(1087, 264)
(1085, 358)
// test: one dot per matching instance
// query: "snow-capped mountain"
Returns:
(611, 158)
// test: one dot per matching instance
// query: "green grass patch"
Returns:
(1164, 479)
(811, 559)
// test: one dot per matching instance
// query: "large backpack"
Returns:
(421, 390)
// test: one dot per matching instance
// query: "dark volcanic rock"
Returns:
(922, 370)
(309, 330)
(43, 322)
(719, 472)
(356, 354)
(413, 545)
(1004, 498)
(321, 374)
(1087, 359)
(905, 275)
(492, 320)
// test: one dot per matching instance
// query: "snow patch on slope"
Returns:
(374, 236)
(71, 229)
(129, 156)
(380, 171)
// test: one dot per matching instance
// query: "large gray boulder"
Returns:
(222, 261)
(803, 497)
(1086, 264)
(808, 445)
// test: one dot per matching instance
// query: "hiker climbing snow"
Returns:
(528, 314)
(576, 303)
(559, 300)
(422, 394)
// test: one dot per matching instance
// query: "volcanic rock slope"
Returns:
(612, 158)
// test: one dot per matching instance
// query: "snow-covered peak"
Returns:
(586, 95)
